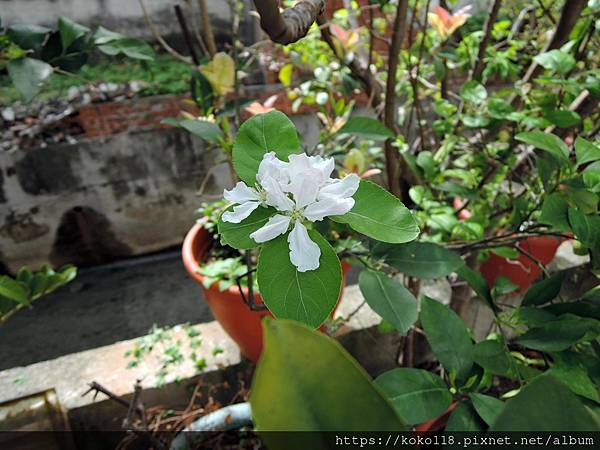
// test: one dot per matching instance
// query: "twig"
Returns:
(291, 25)
(209, 36)
(186, 34)
(489, 25)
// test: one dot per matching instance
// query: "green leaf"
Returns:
(464, 418)
(586, 228)
(476, 281)
(28, 37)
(563, 118)
(545, 141)
(417, 395)
(389, 298)
(366, 128)
(380, 215)
(270, 132)
(493, 357)
(70, 31)
(130, 47)
(420, 259)
(317, 385)
(28, 75)
(308, 297)
(237, 235)
(556, 61)
(14, 290)
(557, 335)
(204, 129)
(285, 74)
(545, 404)
(586, 151)
(574, 374)
(488, 408)
(448, 337)
(555, 212)
(544, 291)
(473, 92)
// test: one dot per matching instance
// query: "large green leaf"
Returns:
(28, 37)
(476, 281)
(563, 118)
(70, 31)
(544, 291)
(545, 404)
(545, 141)
(488, 408)
(270, 132)
(417, 395)
(464, 418)
(14, 290)
(380, 215)
(574, 374)
(367, 128)
(28, 75)
(308, 297)
(237, 235)
(306, 381)
(473, 92)
(493, 357)
(420, 259)
(586, 228)
(556, 61)
(389, 298)
(586, 151)
(130, 47)
(555, 212)
(448, 337)
(557, 335)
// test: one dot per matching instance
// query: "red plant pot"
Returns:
(437, 424)
(522, 271)
(228, 307)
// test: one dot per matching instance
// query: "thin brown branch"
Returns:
(207, 31)
(489, 25)
(290, 25)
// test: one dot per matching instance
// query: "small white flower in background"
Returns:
(300, 190)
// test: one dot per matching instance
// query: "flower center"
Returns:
(297, 214)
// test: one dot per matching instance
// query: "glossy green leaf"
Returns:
(545, 141)
(285, 74)
(28, 76)
(574, 375)
(380, 215)
(556, 61)
(586, 228)
(544, 291)
(13, 290)
(270, 132)
(555, 212)
(70, 31)
(545, 404)
(448, 337)
(586, 151)
(476, 281)
(366, 128)
(417, 395)
(563, 118)
(557, 335)
(389, 298)
(488, 407)
(308, 297)
(420, 259)
(204, 129)
(473, 92)
(237, 235)
(306, 381)
(493, 357)
(464, 418)
(27, 36)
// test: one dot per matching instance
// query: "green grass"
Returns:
(164, 75)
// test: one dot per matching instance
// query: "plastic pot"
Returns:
(522, 271)
(241, 323)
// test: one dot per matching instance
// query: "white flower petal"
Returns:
(277, 225)
(241, 193)
(302, 164)
(344, 188)
(304, 187)
(328, 206)
(304, 252)
(275, 195)
(271, 166)
(240, 212)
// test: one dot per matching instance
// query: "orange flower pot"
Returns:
(228, 307)
(522, 271)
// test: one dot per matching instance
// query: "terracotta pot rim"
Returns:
(192, 264)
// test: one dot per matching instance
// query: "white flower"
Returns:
(301, 190)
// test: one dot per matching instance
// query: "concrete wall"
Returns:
(102, 199)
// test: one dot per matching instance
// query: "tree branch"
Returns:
(290, 25)
(489, 25)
